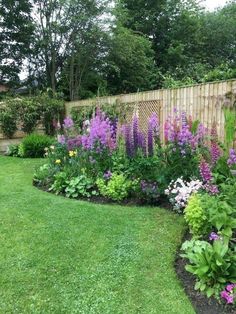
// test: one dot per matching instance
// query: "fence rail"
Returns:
(204, 102)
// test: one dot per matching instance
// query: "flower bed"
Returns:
(190, 169)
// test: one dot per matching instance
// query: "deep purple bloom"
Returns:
(150, 140)
(135, 132)
(128, 141)
(68, 123)
(142, 142)
(205, 171)
(73, 143)
(213, 236)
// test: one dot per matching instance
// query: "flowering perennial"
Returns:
(179, 192)
(232, 158)
(229, 293)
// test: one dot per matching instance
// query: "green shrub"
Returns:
(33, 145)
(194, 215)
(13, 150)
(8, 121)
(117, 188)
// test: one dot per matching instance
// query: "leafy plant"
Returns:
(195, 216)
(60, 183)
(117, 188)
(213, 264)
(80, 186)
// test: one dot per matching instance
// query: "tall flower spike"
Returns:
(150, 140)
(128, 141)
(135, 132)
(205, 171)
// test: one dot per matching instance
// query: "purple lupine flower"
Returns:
(135, 132)
(61, 139)
(142, 142)
(154, 123)
(150, 140)
(128, 141)
(232, 158)
(68, 123)
(211, 188)
(205, 171)
(215, 153)
(100, 134)
(214, 236)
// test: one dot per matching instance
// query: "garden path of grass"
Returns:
(65, 256)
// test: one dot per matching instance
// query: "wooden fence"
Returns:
(204, 102)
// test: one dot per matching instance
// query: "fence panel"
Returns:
(204, 102)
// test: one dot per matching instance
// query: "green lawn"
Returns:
(63, 256)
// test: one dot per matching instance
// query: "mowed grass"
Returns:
(65, 256)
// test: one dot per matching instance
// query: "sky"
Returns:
(212, 4)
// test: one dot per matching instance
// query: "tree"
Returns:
(15, 37)
(131, 65)
(60, 28)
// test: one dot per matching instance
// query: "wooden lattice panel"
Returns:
(145, 110)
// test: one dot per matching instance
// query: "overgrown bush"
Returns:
(8, 121)
(34, 145)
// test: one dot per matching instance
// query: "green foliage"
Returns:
(220, 215)
(60, 182)
(44, 175)
(214, 265)
(117, 188)
(13, 150)
(80, 186)
(8, 121)
(230, 126)
(131, 65)
(34, 145)
(195, 215)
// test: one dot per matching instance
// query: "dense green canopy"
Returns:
(87, 47)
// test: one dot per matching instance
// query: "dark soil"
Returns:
(200, 302)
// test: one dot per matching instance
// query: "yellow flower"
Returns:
(72, 153)
(58, 161)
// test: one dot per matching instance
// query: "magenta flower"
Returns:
(228, 294)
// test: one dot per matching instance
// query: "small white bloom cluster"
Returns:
(179, 192)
